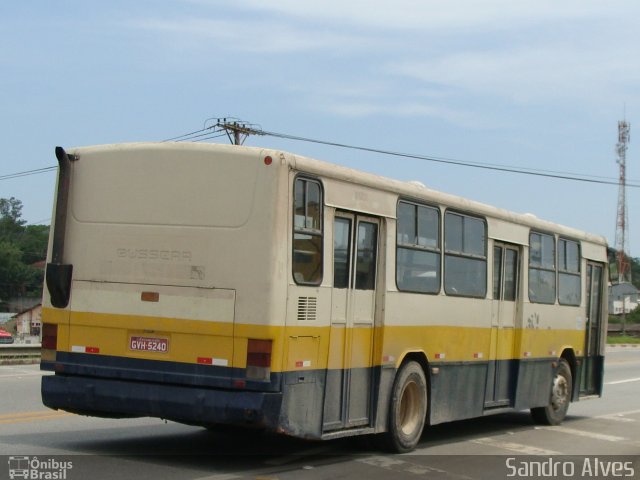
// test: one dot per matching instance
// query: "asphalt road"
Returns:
(492, 447)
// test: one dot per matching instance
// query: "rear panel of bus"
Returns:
(172, 250)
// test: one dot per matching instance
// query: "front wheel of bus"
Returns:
(408, 408)
(554, 413)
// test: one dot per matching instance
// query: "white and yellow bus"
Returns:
(211, 284)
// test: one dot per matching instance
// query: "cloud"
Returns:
(528, 73)
(465, 53)
(347, 108)
(251, 36)
(434, 15)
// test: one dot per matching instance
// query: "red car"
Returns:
(5, 337)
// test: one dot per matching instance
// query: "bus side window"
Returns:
(465, 260)
(569, 284)
(307, 232)
(418, 248)
(542, 268)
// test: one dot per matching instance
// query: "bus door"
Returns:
(502, 369)
(349, 373)
(593, 362)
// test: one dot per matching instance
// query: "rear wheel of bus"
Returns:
(554, 413)
(408, 408)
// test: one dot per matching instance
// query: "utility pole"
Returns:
(237, 130)
(622, 218)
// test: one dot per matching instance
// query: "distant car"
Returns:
(5, 337)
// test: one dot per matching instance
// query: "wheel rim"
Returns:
(409, 411)
(560, 393)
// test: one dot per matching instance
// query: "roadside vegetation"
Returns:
(21, 247)
(617, 339)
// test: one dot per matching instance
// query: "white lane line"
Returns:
(628, 380)
(628, 412)
(583, 433)
(221, 476)
(310, 452)
(617, 418)
(514, 447)
(26, 374)
(392, 464)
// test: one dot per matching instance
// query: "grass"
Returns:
(618, 339)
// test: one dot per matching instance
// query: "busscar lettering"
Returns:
(154, 254)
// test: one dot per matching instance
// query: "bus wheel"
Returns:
(408, 408)
(554, 413)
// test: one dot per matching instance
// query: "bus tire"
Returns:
(407, 409)
(556, 411)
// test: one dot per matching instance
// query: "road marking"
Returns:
(26, 374)
(628, 380)
(221, 476)
(514, 447)
(620, 416)
(392, 464)
(628, 412)
(279, 461)
(617, 418)
(583, 433)
(20, 417)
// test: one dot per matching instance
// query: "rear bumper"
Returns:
(197, 406)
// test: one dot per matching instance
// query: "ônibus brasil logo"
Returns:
(33, 468)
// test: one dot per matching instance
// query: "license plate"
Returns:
(149, 344)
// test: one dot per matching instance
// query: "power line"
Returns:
(223, 127)
(211, 137)
(26, 173)
(500, 168)
(247, 129)
(237, 130)
(184, 136)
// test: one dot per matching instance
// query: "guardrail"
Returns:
(630, 328)
(19, 354)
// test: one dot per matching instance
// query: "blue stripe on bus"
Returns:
(176, 373)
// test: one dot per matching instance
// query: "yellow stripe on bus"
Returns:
(309, 347)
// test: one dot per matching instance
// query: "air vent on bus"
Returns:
(307, 308)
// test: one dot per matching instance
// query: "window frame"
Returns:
(375, 254)
(307, 231)
(542, 268)
(349, 222)
(562, 271)
(417, 247)
(468, 256)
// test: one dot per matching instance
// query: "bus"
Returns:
(228, 285)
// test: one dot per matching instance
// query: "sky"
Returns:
(531, 84)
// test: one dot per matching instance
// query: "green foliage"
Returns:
(634, 264)
(620, 339)
(633, 317)
(21, 246)
(10, 222)
(635, 271)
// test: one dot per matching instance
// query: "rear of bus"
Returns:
(162, 269)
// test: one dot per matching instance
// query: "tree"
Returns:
(21, 246)
(635, 272)
(11, 223)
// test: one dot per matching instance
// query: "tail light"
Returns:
(258, 359)
(49, 342)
